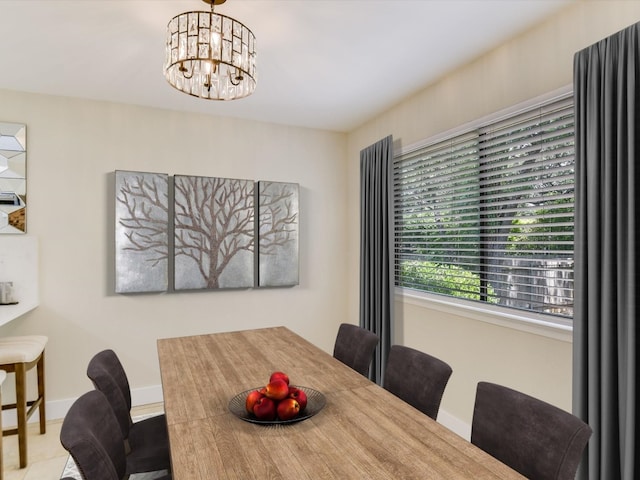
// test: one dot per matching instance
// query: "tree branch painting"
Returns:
(214, 233)
(141, 231)
(278, 212)
(227, 233)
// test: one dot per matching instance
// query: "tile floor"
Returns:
(46, 456)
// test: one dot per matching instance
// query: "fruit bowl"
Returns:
(315, 402)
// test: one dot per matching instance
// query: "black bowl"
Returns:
(315, 403)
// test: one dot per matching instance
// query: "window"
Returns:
(487, 214)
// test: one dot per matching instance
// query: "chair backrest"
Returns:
(354, 346)
(537, 439)
(417, 378)
(91, 434)
(108, 376)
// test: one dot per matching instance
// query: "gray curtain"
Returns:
(376, 248)
(607, 218)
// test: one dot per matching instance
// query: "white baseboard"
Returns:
(57, 409)
(146, 395)
(454, 424)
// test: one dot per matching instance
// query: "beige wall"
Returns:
(535, 63)
(74, 146)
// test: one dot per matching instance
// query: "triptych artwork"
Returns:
(218, 232)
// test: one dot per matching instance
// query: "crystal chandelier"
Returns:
(210, 55)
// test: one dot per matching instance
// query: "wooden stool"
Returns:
(19, 355)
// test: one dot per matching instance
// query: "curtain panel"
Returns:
(607, 214)
(376, 248)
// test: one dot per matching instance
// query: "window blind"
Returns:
(488, 214)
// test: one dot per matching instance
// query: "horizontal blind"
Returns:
(526, 209)
(488, 215)
(437, 217)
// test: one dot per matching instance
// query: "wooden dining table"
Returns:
(362, 432)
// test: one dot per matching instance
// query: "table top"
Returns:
(362, 432)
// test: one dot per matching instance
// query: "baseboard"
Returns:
(454, 424)
(146, 395)
(57, 409)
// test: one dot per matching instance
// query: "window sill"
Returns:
(538, 324)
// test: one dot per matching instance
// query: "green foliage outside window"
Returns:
(443, 279)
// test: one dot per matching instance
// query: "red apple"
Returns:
(299, 395)
(265, 409)
(277, 390)
(279, 376)
(288, 409)
(252, 398)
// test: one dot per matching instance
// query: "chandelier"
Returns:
(210, 56)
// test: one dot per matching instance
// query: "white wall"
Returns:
(74, 146)
(535, 63)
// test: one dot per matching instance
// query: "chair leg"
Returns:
(21, 412)
(43, 419)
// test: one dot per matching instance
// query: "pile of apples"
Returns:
(276, 400)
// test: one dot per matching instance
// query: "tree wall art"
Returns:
(142, 226)
(213, 233)
(227, 233)
(277, 234)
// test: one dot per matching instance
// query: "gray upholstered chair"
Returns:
(354, 346)
(539, 440)
(417, 378)
(92, 436)
(147, 440)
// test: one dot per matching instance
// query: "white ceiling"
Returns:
(328, 64)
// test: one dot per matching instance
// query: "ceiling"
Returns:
(327, 64)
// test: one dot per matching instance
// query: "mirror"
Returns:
(13, 178)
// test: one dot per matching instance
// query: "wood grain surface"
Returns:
(363, 432)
